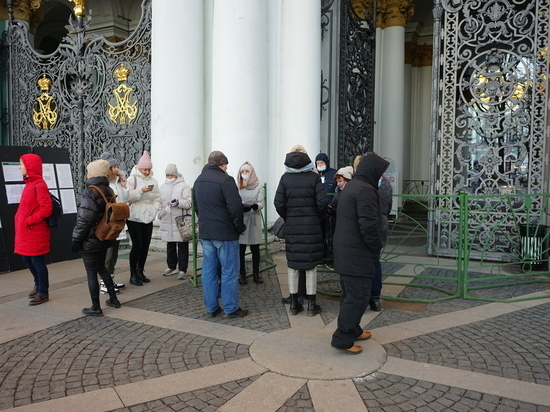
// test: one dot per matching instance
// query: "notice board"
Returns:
(58, 175)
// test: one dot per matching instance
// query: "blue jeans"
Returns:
(39, 270)
(225, 255)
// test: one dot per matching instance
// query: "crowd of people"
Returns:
(333, 218)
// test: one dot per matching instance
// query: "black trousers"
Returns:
(177, 259)
(94, 263)
(140, 233)
(354, 299)
(255, 249)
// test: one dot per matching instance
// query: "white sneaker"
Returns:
(169, 272)
(118, 285)
(182, 275)
(103, 288)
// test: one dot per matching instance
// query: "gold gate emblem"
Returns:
(46, 115)
(126, 108)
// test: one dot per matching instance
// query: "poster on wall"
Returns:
(11, 172)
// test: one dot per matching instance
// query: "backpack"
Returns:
(113, 220)
(54, 219)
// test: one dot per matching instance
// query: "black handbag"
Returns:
(279, 228)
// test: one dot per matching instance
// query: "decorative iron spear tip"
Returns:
(79, 8)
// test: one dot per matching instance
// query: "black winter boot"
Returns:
(295, 307)
(257, 278)
(113, 300)
(141, 276)
(374, 303)
(134, 280)
(242, 279)
(94, 310)
(312, 307)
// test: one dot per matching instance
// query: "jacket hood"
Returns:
(324, 158)
(371, 167)
(297, 160)
(137, 172)
(33, 164)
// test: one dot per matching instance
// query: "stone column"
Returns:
(239, 83)
(177, 89)
(300, 77)
(393, 15)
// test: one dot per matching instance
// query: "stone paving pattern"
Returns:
(203, 400)
(499, 346)
(96, 353)
(391, 393)
(92, 353)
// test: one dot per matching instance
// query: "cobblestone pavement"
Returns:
(506, 345)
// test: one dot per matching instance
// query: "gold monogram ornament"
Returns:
(46, 115)
(126, 108)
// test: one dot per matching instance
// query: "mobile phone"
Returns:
(151, 186)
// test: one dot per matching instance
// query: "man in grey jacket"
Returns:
(219, 207)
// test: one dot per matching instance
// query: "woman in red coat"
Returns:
(32, 233)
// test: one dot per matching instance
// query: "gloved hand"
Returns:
(246, 208)
(76, 246)
(255, 206)
(174, 202)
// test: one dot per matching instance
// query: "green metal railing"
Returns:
(264, 249)
(460, 246)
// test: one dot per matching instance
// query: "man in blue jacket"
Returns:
(219, 207)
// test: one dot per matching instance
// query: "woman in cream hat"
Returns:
(91, 207)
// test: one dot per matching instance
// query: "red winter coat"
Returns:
(32, 233)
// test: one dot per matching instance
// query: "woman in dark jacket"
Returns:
(357, 245)
(90, 211)
(301, 201)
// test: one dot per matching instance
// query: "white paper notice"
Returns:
(49, 175)
(64, 175)
(68, 201)
(13, 193)
(12, 172)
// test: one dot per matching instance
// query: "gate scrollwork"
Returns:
(86, 89)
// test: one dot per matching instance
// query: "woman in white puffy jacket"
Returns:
(175, 198)
(144, 199)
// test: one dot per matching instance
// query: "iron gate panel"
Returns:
(75, 110)
(356, 89)
(490, 117)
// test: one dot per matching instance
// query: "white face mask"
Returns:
(170, 180)
(245, 177)
(379, 182)
(321, 168)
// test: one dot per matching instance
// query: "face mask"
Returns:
(245, 177)
(321, 168)
(170, 180)
(379, 182)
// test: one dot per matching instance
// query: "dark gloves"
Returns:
(246, 208)
(76, 246)
(254, 206)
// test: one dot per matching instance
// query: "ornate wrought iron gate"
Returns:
(347, 106)
(89, 96)
(490, 106)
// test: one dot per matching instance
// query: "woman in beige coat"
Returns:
(251, 194)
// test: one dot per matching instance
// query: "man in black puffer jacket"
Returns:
(91, 207)
(302, 202)
(357, 246)
(217, 202)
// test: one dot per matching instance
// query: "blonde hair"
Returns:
(298, 148)
(356, 162)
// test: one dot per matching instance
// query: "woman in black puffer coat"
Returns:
(91, 207)
(302, 202)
